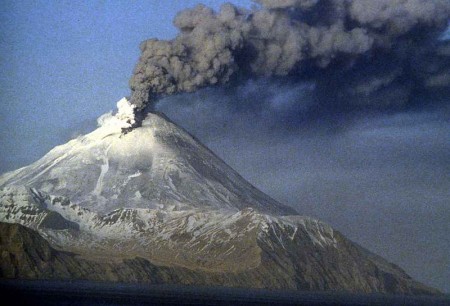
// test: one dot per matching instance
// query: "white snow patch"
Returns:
(137, 174)
(104, 169)
(137, 195)
(190, 223)
(47, 168)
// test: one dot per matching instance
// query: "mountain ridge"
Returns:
(155, 200)
(168, 152)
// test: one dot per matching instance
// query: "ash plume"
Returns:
(373, 54)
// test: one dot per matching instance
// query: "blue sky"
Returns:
(65, 63)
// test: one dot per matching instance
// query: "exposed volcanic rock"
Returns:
(25, 254)
(155, 206)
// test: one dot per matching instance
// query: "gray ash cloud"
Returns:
(359, 53)
(300, 117)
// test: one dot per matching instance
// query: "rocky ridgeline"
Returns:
(153, 205)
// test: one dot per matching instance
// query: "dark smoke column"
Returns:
(201, 55)
(337, 40)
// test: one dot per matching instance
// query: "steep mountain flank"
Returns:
(153, 205)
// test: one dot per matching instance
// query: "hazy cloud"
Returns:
(380, 178)
(374, 54)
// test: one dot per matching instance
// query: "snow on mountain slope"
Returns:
(217, 236)
(204, 247)
(154, 199)
(158, 165)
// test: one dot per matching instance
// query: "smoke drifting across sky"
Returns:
(381, 178)
(316, 138)
(358, 53)
(338, 108)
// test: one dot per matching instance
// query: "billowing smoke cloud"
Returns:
(297, 72)
(359, 53)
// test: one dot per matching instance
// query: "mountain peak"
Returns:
(156, 165)
(151, 200)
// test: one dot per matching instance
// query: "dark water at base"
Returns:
(92, 293)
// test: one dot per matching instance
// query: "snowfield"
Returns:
(155, 196)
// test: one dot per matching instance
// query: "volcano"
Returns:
(154, 205)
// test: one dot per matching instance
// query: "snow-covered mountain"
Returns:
(158, 165)
(155, 193)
